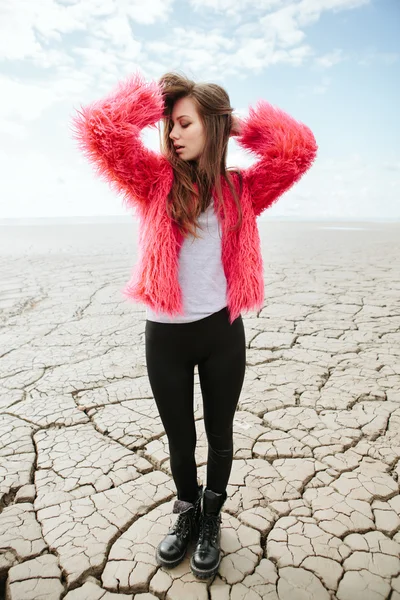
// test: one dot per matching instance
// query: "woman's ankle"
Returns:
(191, 497)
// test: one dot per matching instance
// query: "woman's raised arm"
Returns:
(285, 149)
(108, 132)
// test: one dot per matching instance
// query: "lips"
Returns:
(179, 148)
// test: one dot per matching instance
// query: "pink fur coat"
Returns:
(109, 133)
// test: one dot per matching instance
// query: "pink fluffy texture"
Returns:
(285, 148)
(109, 134)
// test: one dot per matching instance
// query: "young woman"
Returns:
(199, 264)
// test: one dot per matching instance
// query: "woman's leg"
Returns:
(221, 373)
(221, 376)
(170, 369)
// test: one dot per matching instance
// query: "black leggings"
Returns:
(219, 350)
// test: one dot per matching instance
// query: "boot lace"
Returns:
(182, 527)
(209, 528)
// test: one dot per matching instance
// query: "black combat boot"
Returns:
(171, 551)
(207, 555)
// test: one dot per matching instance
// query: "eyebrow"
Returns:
(181, 117)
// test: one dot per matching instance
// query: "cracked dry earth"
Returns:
(313, 509)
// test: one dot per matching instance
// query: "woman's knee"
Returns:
(182, 447)
(221, 444)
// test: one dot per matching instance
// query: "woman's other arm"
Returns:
(285, 149)
(108, 132)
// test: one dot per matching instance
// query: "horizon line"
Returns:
(93, 219)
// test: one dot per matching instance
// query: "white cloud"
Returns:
(51, 58)
(349, 187)
(31, 30)
(373, 56)
(17, 131)
(273, 38)
(286, 24)
(283, 26)
(17, 38)
(197, 52)
(330, 59)
(13, 99)
(309, 11)
(232, 8)
(392, 166)
(389, 58)
(216, 55)
(323, 87)
(24, 102)
(148, 12)
(116, 28)
(304, 91)
(27, 28)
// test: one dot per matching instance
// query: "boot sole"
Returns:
(200, 574)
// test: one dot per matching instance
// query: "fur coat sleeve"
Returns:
(285, 149)
(108, 132)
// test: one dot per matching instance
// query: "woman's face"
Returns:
(188, 131)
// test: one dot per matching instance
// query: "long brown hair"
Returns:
(186, 201)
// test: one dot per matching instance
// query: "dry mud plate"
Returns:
(313, 509)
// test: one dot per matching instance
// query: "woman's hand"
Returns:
(236, 126)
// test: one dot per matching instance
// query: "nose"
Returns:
(173, 135)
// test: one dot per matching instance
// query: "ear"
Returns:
(235, 125)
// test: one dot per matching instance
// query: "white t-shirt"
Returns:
(201, 273)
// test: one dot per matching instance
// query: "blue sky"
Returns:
(333, 64)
